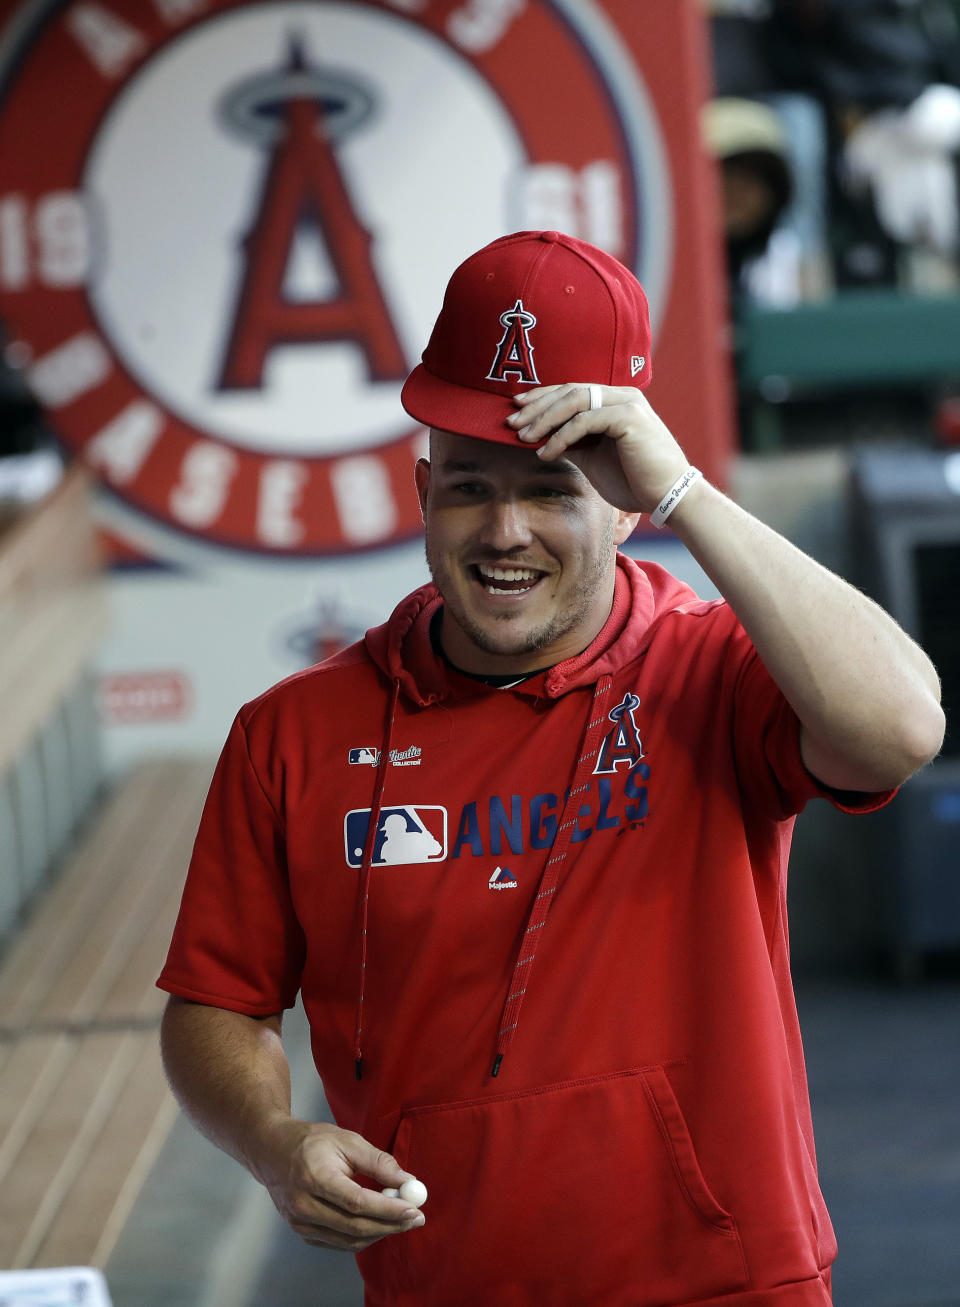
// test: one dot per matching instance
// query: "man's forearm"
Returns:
(229, 1073)
(232, 1078)
(866, 695)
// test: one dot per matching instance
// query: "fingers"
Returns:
(326, 1206)
(326, 1224)
(341, 1193)
(562, 415)
(545, 408)
(363, 1157)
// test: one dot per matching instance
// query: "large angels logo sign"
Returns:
(225, 229)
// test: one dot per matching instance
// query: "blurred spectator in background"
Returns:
(792, 263)
(904, 162)
(749, 142)
(881, 79)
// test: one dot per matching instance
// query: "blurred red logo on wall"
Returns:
(131, 698)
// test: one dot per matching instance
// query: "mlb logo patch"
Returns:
(405, 835)
(360, 757)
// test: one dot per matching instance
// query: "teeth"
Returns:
(508, 573)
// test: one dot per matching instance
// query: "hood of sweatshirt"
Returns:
(402, 648)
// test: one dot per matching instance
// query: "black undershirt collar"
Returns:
(499, 681)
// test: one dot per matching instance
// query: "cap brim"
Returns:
(461, 409)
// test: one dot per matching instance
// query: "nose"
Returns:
(505, 525)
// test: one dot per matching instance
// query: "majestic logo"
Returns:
(405, 834)
(621, 745)
(514, 356)
(222, 335)
(502, 878)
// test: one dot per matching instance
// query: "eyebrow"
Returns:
(563, 467)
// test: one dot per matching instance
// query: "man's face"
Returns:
(522, 551)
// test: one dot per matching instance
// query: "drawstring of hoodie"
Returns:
(366, 868)
(547, 887)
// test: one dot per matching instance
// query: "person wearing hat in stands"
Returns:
(596, 1071)
(749, 143)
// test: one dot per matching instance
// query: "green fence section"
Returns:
(856, 338)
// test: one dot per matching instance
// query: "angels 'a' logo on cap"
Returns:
(514, 356)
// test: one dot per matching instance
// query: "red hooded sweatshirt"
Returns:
(558, 953)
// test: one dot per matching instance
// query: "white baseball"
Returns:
(413, 1192)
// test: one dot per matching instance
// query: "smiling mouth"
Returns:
(506, 580)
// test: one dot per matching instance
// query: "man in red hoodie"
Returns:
(596, 1071)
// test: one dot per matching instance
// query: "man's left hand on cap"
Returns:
(623, 447)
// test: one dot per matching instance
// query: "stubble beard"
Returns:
(524, 642)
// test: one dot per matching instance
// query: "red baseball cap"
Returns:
(537, 308)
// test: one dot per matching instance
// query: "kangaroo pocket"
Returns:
(586, 1191)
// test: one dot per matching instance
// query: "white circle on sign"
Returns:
(176, 192)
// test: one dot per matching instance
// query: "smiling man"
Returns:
(597, 1074)
(522, 551)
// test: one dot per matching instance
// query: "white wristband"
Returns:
(673, 496)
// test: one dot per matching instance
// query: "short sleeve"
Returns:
(237, 943)
(766, 737)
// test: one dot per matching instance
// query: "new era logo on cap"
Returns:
(576, 308)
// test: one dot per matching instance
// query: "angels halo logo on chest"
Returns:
(221, 250)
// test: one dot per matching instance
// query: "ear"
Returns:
(625, 526)
(421, 476)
